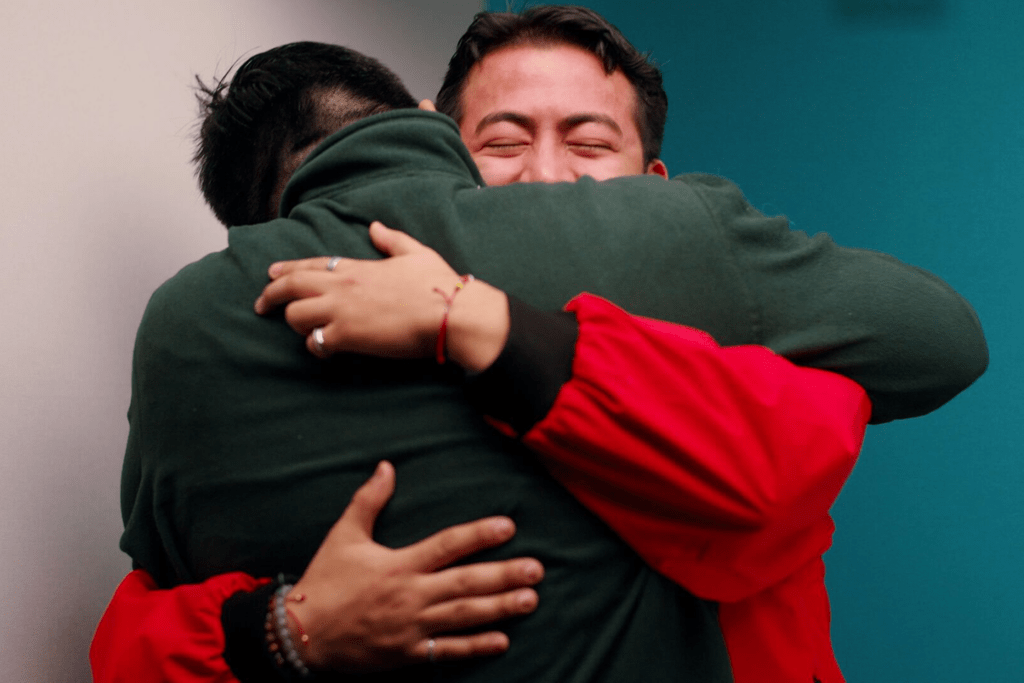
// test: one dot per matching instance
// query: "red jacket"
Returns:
(717, 465)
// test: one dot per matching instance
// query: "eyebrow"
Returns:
(510, 116)
(571, 122)
(567, 123)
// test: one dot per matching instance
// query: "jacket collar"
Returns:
(404, 141)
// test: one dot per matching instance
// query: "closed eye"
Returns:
(590, 148)
(505, 148)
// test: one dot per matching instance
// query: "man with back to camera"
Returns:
(466, 294)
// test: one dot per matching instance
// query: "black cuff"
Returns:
(520, 387)
(243, 616)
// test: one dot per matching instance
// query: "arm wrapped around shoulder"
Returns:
(899, 331)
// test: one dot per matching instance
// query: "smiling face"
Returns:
(550, 113)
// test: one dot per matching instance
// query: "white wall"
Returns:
(99, 206)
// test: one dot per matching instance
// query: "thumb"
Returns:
(393, 242)
(369, 499)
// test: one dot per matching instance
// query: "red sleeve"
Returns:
(154, 635)
(717, 464)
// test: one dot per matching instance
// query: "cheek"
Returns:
(603, 168)
(499, 170)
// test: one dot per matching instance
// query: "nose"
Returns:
(547, 164)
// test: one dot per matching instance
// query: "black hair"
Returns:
(570, 25)
(274, 106)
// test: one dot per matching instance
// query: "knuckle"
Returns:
(365, 491)
(462, 611)
(362, 498)
(468, 581)
(447, 545)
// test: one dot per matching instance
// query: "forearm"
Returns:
(694, 453)
(211, 632)
(900, 332)
(149, 634)
(478, 326)
(364, 607)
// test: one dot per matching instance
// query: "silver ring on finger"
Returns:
(333, 263)
(318, 340)
(431, 646)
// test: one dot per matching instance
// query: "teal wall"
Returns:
(904, 133)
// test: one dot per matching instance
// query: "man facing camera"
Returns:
(530, 142)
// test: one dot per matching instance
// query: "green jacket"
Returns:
(244, 449)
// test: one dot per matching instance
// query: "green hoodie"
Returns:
(244, 449)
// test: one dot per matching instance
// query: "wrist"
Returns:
(478, 325)
(242, 617)
(520, 387)
(287, 642)
(302, 624)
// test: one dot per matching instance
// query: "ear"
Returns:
(657, 167)
(427, 105)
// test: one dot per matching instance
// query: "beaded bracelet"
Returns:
(279, 636)
(442, 334)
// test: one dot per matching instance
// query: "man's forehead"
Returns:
(555, 79)
(569, 121)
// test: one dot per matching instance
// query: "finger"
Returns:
(394, 242)
(455, 615)
(482, 578)
(281, 268)
(302, 315)
(448, 648)
(298, 285)
(456, 542)
(320, 350)
(368, 500)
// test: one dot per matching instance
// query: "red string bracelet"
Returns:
(442, 334)
(298, 627)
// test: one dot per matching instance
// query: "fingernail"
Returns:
(502, 527)
(259, 306)
(532, 571)
(526, 599)
(274, 270)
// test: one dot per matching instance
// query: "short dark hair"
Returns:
(557, 24)
(271, 107)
